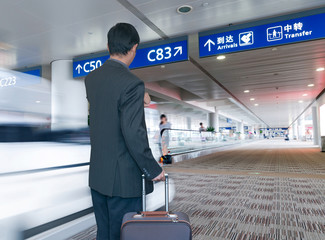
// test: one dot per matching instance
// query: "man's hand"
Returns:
(160, 177)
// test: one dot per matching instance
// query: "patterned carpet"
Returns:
(226, 200)
(251, 207)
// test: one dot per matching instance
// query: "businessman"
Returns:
(120, 152)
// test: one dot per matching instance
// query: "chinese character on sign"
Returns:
(229, 39)
(297, 26)
(288, 28)
(221, 40)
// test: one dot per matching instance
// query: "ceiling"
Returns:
(277, 79)
(34, 32)
(40, 31)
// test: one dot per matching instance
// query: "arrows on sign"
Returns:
(179, 50)
(78, 68)
(209, 42)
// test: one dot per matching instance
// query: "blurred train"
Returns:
(44, 174)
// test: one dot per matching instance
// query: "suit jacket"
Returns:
(120, 151)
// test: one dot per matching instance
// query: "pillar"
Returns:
(294, 131)
(189, 123)
(301, 129)
(241, 127)
(315, 125)
(68, 97)
(237, 126)
(213, 120)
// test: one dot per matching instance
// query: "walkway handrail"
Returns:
(44, 169)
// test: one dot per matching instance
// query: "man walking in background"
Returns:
(120, 152)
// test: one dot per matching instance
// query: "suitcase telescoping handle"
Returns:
(144, 207)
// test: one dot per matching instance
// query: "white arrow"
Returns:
(179, 50)
(209, 42)
(78, 68)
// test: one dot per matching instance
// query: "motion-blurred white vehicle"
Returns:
(45, 179)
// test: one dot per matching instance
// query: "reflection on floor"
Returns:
(266, 190)
(270, 156)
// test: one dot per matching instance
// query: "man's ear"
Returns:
(134, 48)
(107, 47)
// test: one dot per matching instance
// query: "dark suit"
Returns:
(120, 152)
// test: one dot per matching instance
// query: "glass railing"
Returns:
(178, 141)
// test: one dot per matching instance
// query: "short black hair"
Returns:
(162, 116)
(201, 124)
(121, 38)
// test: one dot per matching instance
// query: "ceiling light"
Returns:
(305, 95)
(246, 91)
(205, 4)
(37, 101)
(256, 104)
(274, 49)
(221, 57)
(300, 101)
(185, 9)
(310, 85)
(320, 69)
(162, 66)
(252, 99)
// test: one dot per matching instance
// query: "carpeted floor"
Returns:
(251, 207)
(265, 190)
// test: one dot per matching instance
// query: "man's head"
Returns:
(201, 124)
(122, 41)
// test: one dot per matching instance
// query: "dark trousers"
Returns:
(109, 212)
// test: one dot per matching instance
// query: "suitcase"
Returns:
(159, 225)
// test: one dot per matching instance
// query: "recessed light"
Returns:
(37, 101)
(221, 57)
(162, 66)
(205, 4)
(300, 101)
(274, 49)
(185, 9)
(256, 104)
(305, 95)
(252, 99)
(320, 69)
(310, 85)
(246, 91)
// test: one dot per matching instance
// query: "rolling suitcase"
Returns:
(160, 225)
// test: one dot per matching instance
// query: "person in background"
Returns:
(164, 136)
(120, 151)
(202, 128)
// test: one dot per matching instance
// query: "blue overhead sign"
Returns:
(278, 33)
(35, 71)
(161, 52)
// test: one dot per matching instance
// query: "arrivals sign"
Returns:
(278, 33)
(156, 53)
